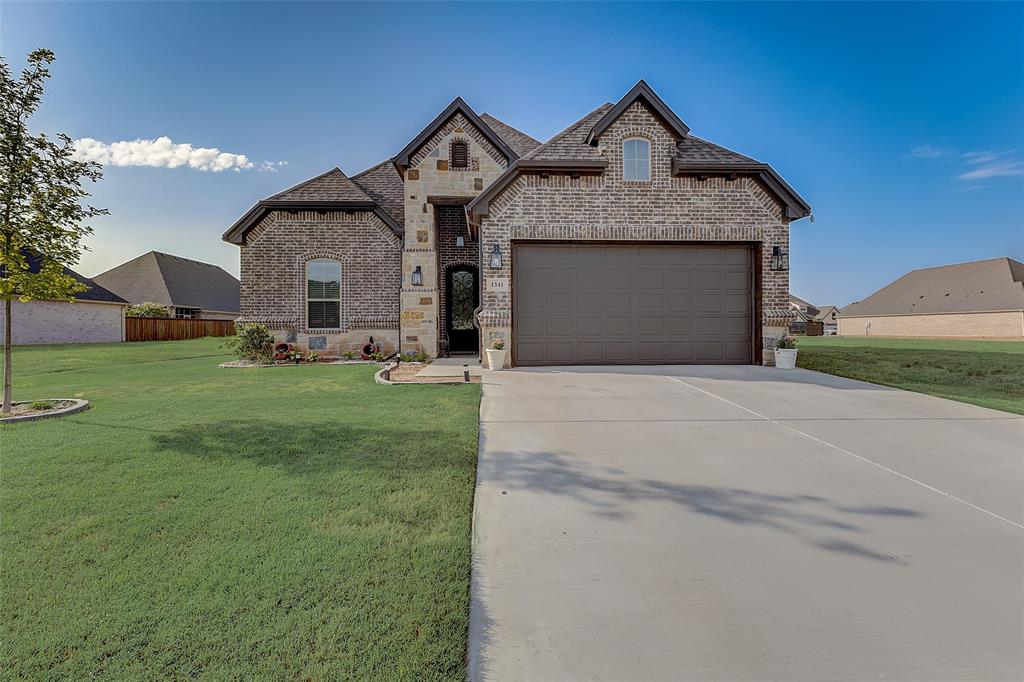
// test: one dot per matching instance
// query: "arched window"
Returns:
(323, 294)
(460, 155)
(636, 160)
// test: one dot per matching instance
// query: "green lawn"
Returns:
(986, 373)
(282, 523)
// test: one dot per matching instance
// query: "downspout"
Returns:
(480, 302)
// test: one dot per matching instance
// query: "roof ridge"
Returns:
(509, 125)
(968, 262)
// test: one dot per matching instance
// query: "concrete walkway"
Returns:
(743, 523)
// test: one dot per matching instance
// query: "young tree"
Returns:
(41, 201)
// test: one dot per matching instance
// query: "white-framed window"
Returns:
(186, 313)
(636, 160)
(323, 294)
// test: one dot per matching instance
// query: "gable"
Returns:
(643, 94)
(445, 123)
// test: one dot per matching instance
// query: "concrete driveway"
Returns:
(743, 523)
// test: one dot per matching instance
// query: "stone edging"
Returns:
(79, 406)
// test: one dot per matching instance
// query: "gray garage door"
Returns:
(631, 304)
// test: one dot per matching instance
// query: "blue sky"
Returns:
(900, 124)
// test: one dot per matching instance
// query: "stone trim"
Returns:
(373, 322)
(489, 317)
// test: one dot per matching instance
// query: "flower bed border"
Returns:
(78, 406)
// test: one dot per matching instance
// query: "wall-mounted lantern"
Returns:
(460, 241)
(417, 277)
(495, 261)
(780, 259)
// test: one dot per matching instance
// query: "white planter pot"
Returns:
(785, 358)
(496, 358)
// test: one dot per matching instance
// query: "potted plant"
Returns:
(785, 352)
(496, 355)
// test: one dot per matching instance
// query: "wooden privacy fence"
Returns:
(161, 329)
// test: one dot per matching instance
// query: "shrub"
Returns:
(349, 355)
(41, 405)
(312, 356)
(415, 356)
(149, 310)
(498, 344)
(252, 342)
(786, 343)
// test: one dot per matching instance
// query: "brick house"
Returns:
(623, 239)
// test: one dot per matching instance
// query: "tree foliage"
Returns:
(149, 310)
(42, 211)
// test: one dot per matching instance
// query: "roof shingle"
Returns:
(333, 185)
(172, 280)
(521, 143)
(384, 185)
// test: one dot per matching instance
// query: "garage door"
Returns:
(592, 304)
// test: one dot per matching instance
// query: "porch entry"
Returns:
(462, 292)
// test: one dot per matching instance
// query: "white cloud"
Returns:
(272, 166)
(163, 153)
(983, 164)
(1000, 169)
(928, 151)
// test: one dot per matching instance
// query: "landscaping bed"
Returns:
(234, 525)
(985, 373)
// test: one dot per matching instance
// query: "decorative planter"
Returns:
(785, 358)
(496, 358)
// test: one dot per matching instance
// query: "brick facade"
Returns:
(608, 208)
(273, 266)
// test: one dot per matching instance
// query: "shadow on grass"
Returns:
(314, 449)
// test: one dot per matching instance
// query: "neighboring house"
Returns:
(96, 315)
(829, 317)
(623, 239)
(803, 312)
(982, 298)
(195, 290)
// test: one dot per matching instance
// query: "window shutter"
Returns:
(460, 155)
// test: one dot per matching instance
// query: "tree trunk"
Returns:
(7, 357)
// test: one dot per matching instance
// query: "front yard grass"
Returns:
(280, 523)
(985, 373)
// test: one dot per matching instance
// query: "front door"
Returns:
(463, 289)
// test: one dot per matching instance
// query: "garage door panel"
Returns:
(588, 302)
(631, 304)
(707, 303)
(618, 326)
(618, 279)
(708, 280)
(736, 303)
(737, 281)
(651, 325)
(618, 303)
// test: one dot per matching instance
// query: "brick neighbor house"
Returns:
(623, 239)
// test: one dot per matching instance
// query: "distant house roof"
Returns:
(825, 314)
(797, 301)
(172, 280)
(979, 286)
(95, 292)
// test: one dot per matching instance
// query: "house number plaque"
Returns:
(497, 284)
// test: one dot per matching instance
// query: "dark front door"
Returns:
(463, 292)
